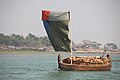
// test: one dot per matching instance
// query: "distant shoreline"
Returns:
(20, 51)
(36, 51)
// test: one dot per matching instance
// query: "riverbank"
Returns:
(38, 51)
(118, 52)
(21, 51)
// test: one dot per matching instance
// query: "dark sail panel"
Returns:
(57, 30)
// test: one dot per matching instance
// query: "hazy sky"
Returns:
(95, 20)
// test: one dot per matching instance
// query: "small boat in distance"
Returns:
(56, 26)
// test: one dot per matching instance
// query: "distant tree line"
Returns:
(29, 41)
(32, 41)
(95, 45)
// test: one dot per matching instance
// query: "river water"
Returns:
(43, 66)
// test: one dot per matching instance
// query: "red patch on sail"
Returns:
(45, 15)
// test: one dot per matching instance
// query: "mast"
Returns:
(71, 39)
(71, 46)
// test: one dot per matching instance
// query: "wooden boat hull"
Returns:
(84, 66)
(75, 67)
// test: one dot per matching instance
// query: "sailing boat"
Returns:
(56, 26)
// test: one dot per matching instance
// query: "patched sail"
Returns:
(56, 25)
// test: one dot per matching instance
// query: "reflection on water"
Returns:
(43, 66)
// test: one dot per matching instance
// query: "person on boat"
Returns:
(58, 60)
(108, 56)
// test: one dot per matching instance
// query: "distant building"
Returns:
(44, 49)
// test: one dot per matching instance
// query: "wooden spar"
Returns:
(71, 40)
